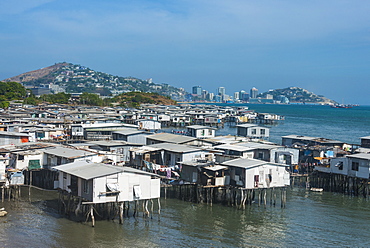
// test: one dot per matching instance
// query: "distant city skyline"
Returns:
(321, 46)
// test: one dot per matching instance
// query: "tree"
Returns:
(91, 99)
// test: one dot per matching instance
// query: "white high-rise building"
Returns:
(254, 93)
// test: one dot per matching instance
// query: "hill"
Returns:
(297, 95)
(71, 78)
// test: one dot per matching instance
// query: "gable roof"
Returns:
(68, 152)
(87, 170)
(247, 163)
(171, 138)
(178, 148)
(200, 127)
(365, 156)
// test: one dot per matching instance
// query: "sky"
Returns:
(321, 46)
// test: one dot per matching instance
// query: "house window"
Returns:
(210, 132)
(355, 166)
(263, 131)
(254, 131)
(86, 186)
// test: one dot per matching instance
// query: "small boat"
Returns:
(341, 106)
(317, 189)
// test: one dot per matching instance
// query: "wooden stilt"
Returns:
(147, 213)
(135, 208)
(152, 207)
(121, 213)
(159, 206)
(92, 215)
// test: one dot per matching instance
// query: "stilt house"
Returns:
(101, 183)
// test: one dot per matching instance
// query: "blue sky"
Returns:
(322, 46)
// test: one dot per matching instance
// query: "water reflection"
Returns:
(309, 219)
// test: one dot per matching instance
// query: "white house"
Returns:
(254, 173)
(253, 131)
(101, 183)
(201, 132)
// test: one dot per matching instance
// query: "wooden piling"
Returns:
(121, 213)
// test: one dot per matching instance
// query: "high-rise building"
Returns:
(254, 93)
(236, 96)
(221, 91)
(210, 96)
(197, 90)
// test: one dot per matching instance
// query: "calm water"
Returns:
(309, 220)
(346, 125)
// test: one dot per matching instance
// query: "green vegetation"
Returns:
(61, 98)
(91, 99)
(134, 99)
(10, 91)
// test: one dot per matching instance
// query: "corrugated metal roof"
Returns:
(171, 138)
(247, 125)
(68, 152)
(108, 143)
(255, 145)
(234, 148)
(300, 137)
(176, 147)
(14, 134)
(360, 156)
(216, 168)
(129, 131)
(244, 163)
(200, 127)
(248, 163)
(88, 170)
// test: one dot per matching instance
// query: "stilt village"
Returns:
(114, 163)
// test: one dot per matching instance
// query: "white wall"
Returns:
(279, 176)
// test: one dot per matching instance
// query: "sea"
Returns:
(310, 219)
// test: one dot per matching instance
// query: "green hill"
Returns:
(297, 95)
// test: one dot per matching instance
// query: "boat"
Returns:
(341, 106)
